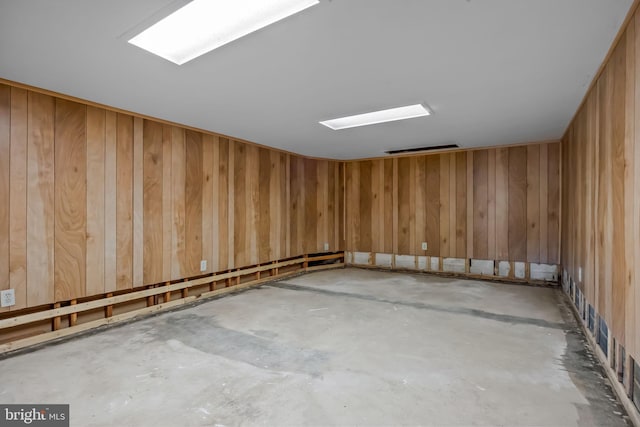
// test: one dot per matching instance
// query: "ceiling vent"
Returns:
(421, 149)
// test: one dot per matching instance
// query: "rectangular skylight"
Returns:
(382, 116)
(204, 25)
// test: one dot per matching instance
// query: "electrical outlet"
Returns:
(580, 274)
(203, 265)
(424, 246)
(8, 298)
(326, 246)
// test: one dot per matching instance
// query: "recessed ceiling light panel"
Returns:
(204, 25)
(382, 116)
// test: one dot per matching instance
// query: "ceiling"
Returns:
(492, 71)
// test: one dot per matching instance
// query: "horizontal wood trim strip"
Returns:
(160, 289)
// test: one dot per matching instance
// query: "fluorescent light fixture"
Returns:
(204, 25)
(382, 116)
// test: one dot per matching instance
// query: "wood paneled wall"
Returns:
(494, 204)
(601, 204)
(93, 201)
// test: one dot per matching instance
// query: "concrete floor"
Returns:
(339, 347)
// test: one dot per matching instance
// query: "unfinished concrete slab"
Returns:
(352, 346)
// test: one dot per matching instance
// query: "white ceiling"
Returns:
(493, 71)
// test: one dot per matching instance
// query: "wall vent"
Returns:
(420, 149)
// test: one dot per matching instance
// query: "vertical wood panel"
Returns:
(40, 199)
(110, 202)
(470, 213)
(18, 197)
(446, 207)
(253, 163)
(553, 204)
(153, 166)
(310, 219)
(70, 200)
(480, 205)
(193, 202)
(502, 204)
(432, 195)
(207, 201)
(124, 197)
(276, 201)
(5, 157)
(461, 206)
(517, 204)
(178, 179)
(630, 188)
(216, 241)
(167, 203)
(138, 219)
(223, 204)
(420, 204)
(618, 171)
(365, 207)
(95, 207)
(389, 202)
(491, 205)
(240, 232)
(353, 206)
(543, 203)
(231, 201)
(404, 206)
(266, 238)
(533, 203)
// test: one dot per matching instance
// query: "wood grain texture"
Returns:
(447, 205)
(480, 205)
(502, 203)
(223, 204)
(600, 203)
(40, 199)
(97, 201)
(310, 203)
(124, 202)
(18, 197)
(110, 202)
(5, 158)
(426, 197)
(193, 203)
(518, 204)
(533, 203)
(240, 231)
(208, 218)
(95, 207)
(153, 203)
(266, 182)
(138, 202)
(178, 179)
(461, 206)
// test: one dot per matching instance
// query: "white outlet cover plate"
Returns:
(203, 265)
(8, 298)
